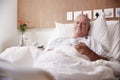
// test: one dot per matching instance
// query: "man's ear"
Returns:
(89, 28)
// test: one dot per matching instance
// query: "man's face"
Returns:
(81, 27)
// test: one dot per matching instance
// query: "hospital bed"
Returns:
(25, 57)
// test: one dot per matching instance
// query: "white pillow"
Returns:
(62, 30)
(114, 29)
(98, 30)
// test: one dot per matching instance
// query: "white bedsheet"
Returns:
(21, 56)
(63, 63)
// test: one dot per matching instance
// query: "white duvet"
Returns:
(63, 63)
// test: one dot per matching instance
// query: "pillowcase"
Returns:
(114, 29)
(62, 30)
(98, 30)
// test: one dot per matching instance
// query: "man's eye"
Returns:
(77, 22)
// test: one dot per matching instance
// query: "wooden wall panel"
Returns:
(98, 4)
(108, 3)
(59, 10)
(29, 10)
(50, 12)
(67, 8)
(77, 6)
(44, 13)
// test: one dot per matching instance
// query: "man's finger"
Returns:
(79, 47)
(82, 44)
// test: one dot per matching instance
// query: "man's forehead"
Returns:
(81, 18)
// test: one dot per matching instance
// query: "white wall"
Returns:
(8, 24)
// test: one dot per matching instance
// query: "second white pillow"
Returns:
(99, 31)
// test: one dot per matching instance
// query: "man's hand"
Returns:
(82, 48)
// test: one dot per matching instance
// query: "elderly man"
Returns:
(82, 42)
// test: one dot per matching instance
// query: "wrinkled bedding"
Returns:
(63, 63)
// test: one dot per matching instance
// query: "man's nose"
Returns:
(79, 24)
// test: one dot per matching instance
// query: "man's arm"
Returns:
(82, 48)
(93, 56)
